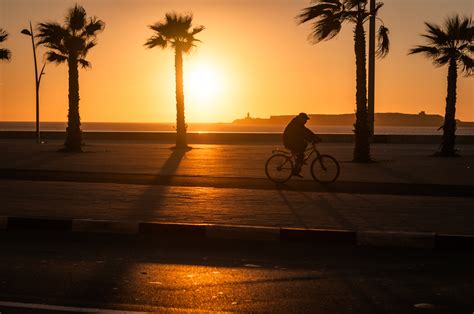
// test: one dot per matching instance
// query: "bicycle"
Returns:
(279, 168)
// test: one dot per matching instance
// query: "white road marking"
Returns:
(63, 308)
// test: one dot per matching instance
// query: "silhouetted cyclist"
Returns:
(296, 138)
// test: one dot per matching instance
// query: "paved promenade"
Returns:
(405, 190)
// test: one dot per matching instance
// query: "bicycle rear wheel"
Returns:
(325, 169)
(279, 168)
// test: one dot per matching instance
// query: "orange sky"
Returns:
(254, 57)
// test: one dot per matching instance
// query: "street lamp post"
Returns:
(37, 78)
(371, 83)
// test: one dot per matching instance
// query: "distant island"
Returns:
(381, 119)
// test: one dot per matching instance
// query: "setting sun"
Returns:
(202, 83)
(204, 86)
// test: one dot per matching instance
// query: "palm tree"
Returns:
(5, 54)
(328, 17)
(176, 33)
(452, 45)
(70, 43)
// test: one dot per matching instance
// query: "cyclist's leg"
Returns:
(298, 151)
(299, 162)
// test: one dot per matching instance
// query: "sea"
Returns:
(221, 128)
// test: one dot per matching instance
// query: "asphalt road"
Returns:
(83, 273)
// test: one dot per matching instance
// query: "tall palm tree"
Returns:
(327, 17)
(70, 43)
(176, 33)
(5, 54)
(452, 45)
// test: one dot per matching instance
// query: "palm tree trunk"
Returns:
(362, 132)
(181, 141)
(73, 132)
(449, 127)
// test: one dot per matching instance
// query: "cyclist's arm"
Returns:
(317, 139)
(310, 137)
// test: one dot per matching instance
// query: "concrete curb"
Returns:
(425, 240)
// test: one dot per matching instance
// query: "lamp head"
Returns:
(26, 32)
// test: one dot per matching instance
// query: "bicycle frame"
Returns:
(308, 152)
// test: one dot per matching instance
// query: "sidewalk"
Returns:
(192, 201)
(396, 163)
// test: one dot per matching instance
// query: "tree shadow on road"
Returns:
(292, 208)
(154, 197)
(152, 200)
(324, 205)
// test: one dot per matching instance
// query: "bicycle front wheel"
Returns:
(325, 169)
(279, 168)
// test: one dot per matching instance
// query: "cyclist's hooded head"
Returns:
(303, 117)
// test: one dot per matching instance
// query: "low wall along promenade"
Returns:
(230, 138)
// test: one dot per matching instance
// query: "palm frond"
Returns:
(3, 35)
(59, 47)
(467, 29)
(351, 4)
(84, 63)
(467, 64)
(76, 18)
(186, 46)
(197, 30)
(465, 34)
(464, 47)
(453, 41)
(378, 5)
(327, 1)
(326, 29)
(75, 37)
(442, 60)
(176, 26)
(93, 27)
(327, 18)
(90, 45)
(453, 26)
(180, 21)
(429, 51)
(383, 42)
(54, 57)
(190, 38)
(5, 54)
(156, 41)
(436, 35)
(164, 30)
(157, 27)
(352, 16)
(174, 31)
(318, 11)
(435, 40)
(51, 33)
